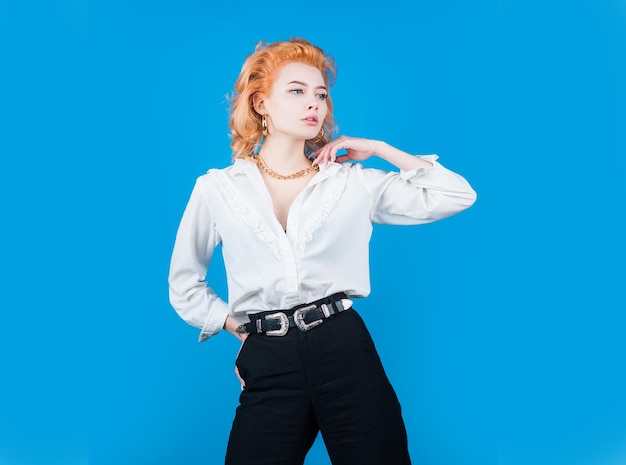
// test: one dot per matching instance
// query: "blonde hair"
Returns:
(257, 76)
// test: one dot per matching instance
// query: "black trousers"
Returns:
(328, 379)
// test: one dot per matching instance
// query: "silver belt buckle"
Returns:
(298, 318)
(284, 324)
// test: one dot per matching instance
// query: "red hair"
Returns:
(257, 76)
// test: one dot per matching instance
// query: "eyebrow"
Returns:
(305, 84)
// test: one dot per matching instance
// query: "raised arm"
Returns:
(421, 192)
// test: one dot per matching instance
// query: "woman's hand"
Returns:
(362, 149)
(241, 381)
(356, 149)
(230, 325)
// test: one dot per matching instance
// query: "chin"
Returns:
(306, 134)
(311, 135)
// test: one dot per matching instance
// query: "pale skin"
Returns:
(295, 110)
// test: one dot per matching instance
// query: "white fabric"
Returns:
(323, 251)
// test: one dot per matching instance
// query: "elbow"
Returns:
(181, 296)
(470, 198)
(465, 200)
(177, 302)
(453, 204)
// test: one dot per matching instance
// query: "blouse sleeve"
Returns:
(418, 196)
(196, 239)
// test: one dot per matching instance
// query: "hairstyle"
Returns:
(257, 75)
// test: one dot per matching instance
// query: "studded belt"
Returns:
(304, 317)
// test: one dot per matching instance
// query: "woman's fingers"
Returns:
(241, 381)
(327, 154)
(356, 149)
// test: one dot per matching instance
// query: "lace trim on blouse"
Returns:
(328, 204)
(246, 213)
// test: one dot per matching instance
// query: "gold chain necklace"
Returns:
(261, 163)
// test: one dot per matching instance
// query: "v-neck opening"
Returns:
(259, 183)
(269, 197)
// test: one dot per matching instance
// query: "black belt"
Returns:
(304, 317)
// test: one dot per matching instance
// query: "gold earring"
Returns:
(264, 124)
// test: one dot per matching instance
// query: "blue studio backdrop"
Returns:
(501, 328)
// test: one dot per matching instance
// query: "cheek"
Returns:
(287, 107)
(280, 112)
(323, 110)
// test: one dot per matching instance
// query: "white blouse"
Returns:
(323, 251)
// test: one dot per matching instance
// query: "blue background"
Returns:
(501, 328)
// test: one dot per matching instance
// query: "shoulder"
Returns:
(214, 175)
(357, 171)
(346, 169)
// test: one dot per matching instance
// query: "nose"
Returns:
(313, 105)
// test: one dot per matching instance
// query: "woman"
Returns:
(294, 222)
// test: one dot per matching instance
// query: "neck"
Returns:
(284, 155)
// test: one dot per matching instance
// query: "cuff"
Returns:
(214, 323)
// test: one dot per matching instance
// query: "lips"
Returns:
(311, 119)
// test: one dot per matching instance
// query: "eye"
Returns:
(322, 96)
(297, 91)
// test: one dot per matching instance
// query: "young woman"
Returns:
(295, 222)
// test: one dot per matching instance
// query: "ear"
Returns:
(258, 103)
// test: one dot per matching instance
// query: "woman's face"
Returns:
(297, 103)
